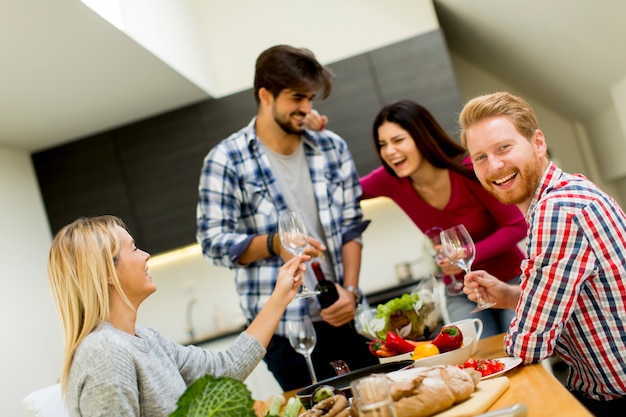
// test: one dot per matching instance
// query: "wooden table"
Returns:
(532, 385)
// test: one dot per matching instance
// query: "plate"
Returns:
(342, 382)
(509, 363)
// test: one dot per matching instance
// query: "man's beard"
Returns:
(528, 178)
(285, 123)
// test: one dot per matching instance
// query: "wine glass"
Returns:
(302, 337)
(454, 286)
(294, 237)
(459, 248)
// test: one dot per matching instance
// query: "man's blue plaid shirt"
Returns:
(239, 199)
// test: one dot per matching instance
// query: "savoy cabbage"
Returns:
(211, 396)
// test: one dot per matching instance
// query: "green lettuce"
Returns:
(406, 302)
(414, 309)
(215, 397)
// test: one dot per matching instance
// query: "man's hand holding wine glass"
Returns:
(461, 251)
(491, 289)
(314, 249)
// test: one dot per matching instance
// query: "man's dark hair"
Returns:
(283, 66)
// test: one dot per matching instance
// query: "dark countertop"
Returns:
(213, 337)
(373, 298)
(382, 296)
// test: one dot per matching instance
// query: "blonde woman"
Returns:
(114, 367)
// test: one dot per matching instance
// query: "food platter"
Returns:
(509, 363)
(342, 382)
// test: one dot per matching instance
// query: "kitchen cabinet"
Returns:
(160, 161)
(83, 178)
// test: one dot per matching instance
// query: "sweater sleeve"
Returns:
(237, 361)
(373, 184)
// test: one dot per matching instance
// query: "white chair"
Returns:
(45, 402)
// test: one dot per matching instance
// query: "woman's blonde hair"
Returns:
(81, 268)
(504, 104)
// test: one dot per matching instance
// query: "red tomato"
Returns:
(483, 368)
(470, 363)
(495, 366)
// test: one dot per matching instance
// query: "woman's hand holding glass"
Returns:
(295, 238)
(290, 277)
(448, 270)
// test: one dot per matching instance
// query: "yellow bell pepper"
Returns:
(424, 350)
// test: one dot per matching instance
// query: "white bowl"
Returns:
(454, 357)
(470, 328)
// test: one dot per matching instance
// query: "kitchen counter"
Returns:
(213, 337)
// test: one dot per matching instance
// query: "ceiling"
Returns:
(66, 73)
(564, 53)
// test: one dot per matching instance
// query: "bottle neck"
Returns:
(317, 270)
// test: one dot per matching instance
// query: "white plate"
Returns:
(509, 363)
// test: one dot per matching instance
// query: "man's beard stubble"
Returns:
(530, 175)
(286, 124)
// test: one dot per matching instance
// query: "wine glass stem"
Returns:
(309, 363)
(478, 297)
(304, 288)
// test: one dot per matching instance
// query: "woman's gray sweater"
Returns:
(116, 374)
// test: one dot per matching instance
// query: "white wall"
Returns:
(332, 29)
(31, 345)
(608, 142)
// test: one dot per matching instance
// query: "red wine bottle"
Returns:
(328, 292)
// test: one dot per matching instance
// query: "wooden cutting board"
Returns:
(486, 393)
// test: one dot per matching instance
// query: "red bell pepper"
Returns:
(397, 343)
(449, 338)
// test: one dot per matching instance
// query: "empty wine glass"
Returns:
(302, 337)
(459, 248)
(294, 237)
(454, 286)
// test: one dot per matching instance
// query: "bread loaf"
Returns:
(422, 392)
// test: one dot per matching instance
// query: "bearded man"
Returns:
(275, 165)
(572, 294)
